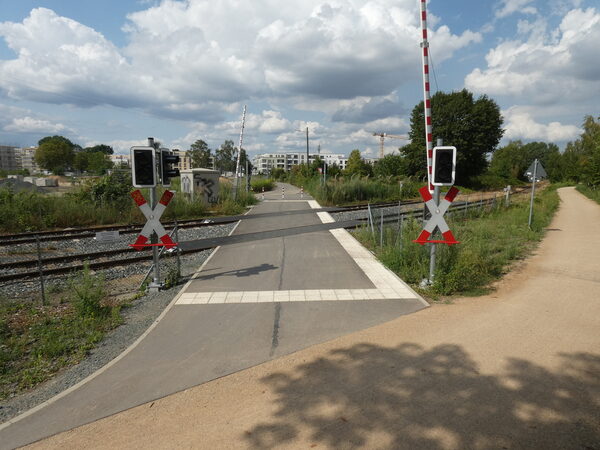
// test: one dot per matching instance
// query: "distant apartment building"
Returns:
(28, 160)
(120, 160)
(10, 158)
(185, 160)
(268, 161)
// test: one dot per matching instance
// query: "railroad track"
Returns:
(62, 265)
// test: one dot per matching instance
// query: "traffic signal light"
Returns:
(143, 166)
(167, 161)
(444, 166)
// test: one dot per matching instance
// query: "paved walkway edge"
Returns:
(117, 358)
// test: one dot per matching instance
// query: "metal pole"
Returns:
(178, 249)
(306, 146)
(432, 249)
(39, 253)
(535, 163)
(247, 176)
(237, 166)
(155, 285)
(371, 220)
(381, 229)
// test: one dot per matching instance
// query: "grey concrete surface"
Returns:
(194, 344)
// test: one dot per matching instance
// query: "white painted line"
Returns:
(387, 284)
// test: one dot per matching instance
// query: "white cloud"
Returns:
(546, 68)
(181, 61)
(520, 124)
(29, 124)
(509, 7)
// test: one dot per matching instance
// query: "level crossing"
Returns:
(250, 302)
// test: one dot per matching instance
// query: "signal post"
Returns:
(150, 166)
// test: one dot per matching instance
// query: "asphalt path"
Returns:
(192, 344)
(516, 369)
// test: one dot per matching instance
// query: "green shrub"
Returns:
(88, 293)
(258, 184)
(489, 241)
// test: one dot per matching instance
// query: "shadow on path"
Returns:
(239, 272)
(368, 396)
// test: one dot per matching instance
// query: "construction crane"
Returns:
(382, 137)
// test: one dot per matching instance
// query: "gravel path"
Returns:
(137, 318)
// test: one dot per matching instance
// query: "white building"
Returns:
(120, 160)
(268, 161)
(27, 158)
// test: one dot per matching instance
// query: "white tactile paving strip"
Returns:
(387, 284)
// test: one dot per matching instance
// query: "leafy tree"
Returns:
(80, 161)
(224, 157)
(99, 163)
(581, 159)
(512, 160)
(56, 138)
(390, 165)
(200, 154)
(243, 158)
(55, 154)
(356, 164)
(106, 149)
(474, 127)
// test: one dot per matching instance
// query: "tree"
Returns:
(200, 154)
(513, 160)
(356, 164)
(106, 149)
(390, 165)
(474, 127)
(581, 160)
(99, 163)
(224, 157)
(55, 154)
(80, 161)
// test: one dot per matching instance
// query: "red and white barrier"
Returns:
(153, 220)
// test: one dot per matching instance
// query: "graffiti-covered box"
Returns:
(201, 183)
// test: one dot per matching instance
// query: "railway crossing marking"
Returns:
(153, 220)
(437, 217)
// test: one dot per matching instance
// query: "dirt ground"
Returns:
(519, 368)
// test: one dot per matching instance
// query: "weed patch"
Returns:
(38, 341)
(489, 240)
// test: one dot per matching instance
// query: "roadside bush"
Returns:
(259, 183)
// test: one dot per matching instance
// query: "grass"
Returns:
(489, 241)
(348, 191)
(38, 341)
(100, 204)
(590, 192)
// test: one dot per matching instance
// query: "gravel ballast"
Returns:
(137, 318)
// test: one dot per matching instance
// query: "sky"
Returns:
(117, 71)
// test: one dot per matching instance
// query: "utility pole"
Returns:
(237, 166)
(155, 284)
(307, 147)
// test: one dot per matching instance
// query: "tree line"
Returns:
(224, 157)
(58, 155)
(474, 127)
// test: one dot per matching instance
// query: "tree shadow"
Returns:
(368, 396)
(239, 272)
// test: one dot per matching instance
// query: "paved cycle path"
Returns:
(519, 368)
(250, 303)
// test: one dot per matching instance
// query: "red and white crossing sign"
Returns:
(153, 220)
(437, 217)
